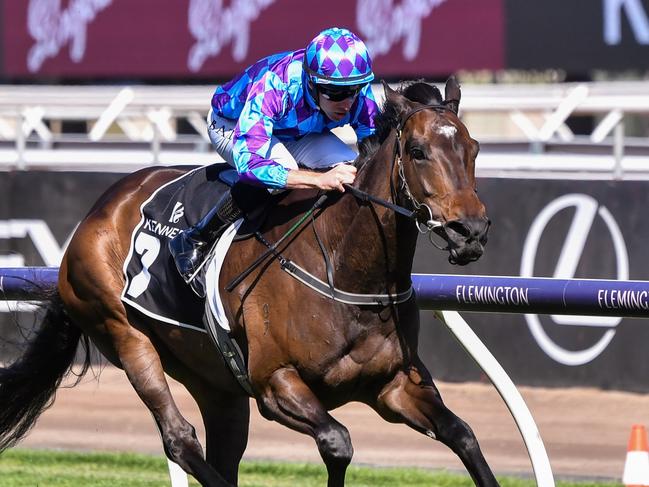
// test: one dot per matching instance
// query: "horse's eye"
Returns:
(417, 153)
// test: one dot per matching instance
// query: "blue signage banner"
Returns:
(596, 297)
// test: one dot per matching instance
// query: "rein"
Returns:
(366, 197)
(272, 249)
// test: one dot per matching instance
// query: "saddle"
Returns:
(151, 276)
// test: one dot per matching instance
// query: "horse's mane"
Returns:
(388, 116)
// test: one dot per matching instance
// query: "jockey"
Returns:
(273, 123)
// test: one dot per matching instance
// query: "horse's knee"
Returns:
(335, 445)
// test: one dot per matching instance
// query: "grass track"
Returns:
(42, 468)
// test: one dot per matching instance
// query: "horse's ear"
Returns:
(396, 99)
(452, 94)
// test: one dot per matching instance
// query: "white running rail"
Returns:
(141, 125)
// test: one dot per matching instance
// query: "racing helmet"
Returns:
(337, 57)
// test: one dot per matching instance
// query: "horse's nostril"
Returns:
(459, 228)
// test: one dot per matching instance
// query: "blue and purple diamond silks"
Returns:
(270, 98)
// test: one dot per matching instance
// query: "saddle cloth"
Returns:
(153, 285)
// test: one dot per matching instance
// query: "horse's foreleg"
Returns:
(143, 367)
(410, 400)
(289, 401)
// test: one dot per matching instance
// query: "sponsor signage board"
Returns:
(214, 40)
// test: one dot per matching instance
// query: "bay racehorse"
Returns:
(306, 353)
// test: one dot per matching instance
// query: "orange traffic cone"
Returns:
(636, 467)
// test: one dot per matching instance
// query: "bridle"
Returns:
(419, 208)
(421, 213)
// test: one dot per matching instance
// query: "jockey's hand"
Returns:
(333, 179)
(338, 175)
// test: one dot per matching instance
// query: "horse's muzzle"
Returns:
(466, 239)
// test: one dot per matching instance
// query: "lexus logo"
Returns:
(587, 210)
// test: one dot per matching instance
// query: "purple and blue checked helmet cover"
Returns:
(338, 57)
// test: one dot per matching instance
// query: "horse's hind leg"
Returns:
(289, 401)
(411, 400)
(104, 316)
(143, 367)
(226, 423)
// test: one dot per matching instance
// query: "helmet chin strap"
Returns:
(313, 91)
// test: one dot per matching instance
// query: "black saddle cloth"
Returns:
(153, 285)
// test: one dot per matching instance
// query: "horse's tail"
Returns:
(28, 386)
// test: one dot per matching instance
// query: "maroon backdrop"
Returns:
(148, 38)
(211, 40)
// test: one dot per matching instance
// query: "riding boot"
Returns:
(190, 247)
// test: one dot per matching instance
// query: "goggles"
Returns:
(339, 93)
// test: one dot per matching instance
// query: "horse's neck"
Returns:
(375, 175)
(376, 248)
